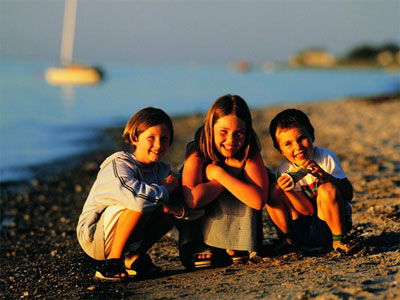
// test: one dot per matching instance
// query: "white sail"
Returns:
(67, 41)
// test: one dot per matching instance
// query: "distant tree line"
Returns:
(370, 52)
(386, 55)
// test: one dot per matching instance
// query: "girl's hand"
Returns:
(171, 182)
(285, 183)
(173, 209)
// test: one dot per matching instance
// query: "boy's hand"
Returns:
(171, 182)
(314, 169)
(285, 183)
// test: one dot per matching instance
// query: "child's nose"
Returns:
(157, 144)
(231, 138)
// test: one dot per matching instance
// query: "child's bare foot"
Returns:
(238, 256)
(204, 255)
(203, 258)
(230, 252)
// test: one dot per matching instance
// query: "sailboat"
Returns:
(69, 73)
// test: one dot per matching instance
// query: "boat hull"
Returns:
(72, 75)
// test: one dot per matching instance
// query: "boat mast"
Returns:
(67, 42)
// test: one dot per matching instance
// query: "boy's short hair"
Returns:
(290, 118)
(143, 120)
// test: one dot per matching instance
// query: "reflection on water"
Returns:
(40, 123)
(68, 95)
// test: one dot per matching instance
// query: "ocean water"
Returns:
(40, 123)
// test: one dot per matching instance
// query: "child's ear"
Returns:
(134, 140)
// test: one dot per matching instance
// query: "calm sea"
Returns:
(40, 123)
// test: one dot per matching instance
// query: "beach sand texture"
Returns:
(41, 257)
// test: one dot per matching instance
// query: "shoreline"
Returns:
(96, 138)
(106, 139)
(42, 258)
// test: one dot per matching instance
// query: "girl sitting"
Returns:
(224, 173)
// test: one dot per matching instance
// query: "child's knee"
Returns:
(327, 193)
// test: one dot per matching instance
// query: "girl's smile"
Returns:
(295, 144)
(152, 144)
(229, 135)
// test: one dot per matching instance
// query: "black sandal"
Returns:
(143, 266)
(110, 269)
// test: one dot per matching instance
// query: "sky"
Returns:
(172, 31)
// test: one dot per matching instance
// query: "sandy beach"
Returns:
(41, 257)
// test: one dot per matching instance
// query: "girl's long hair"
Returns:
(224, 106)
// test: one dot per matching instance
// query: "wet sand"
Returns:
(41, 257)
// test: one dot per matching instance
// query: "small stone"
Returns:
(35, 183)
(78, 188)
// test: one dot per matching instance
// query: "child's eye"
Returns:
(150, 138)
(239, 134)
(222, 132)
(303, 138)
(164, 140)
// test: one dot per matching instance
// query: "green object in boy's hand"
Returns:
(296, 174)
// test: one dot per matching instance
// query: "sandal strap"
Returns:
(112, 267)
(115, 262)
(144, 264)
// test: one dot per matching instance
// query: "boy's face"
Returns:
(152, 144)
(295, 144)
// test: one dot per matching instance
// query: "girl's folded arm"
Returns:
(253, 190)
(197, 193)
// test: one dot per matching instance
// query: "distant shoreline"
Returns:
(108, 140)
